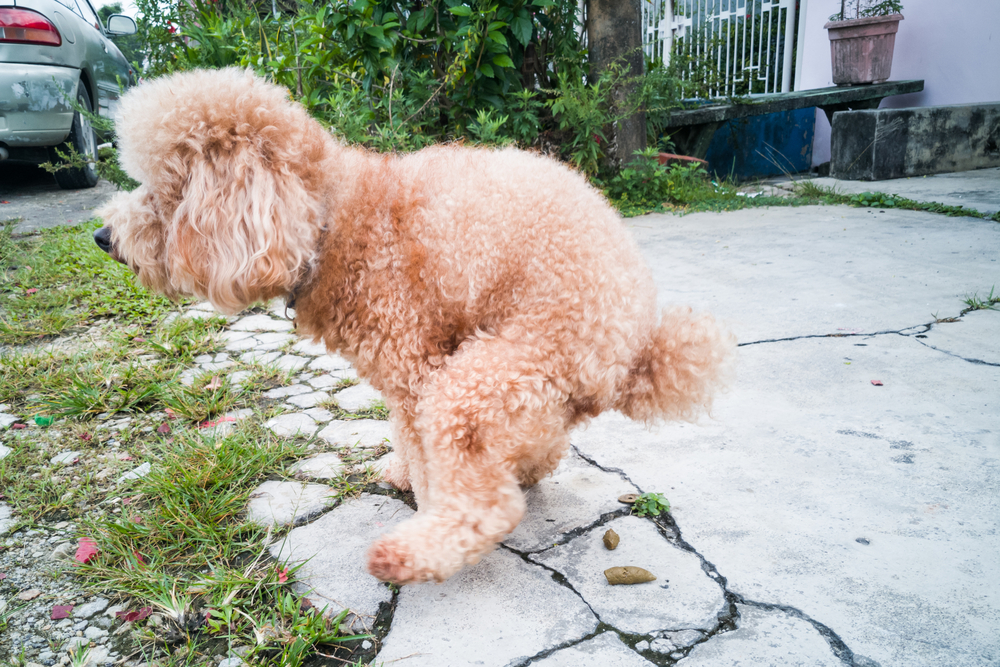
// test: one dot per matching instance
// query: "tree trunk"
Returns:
(614, 34)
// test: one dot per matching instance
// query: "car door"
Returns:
(103, 60)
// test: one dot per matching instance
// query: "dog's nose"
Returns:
(102, 237)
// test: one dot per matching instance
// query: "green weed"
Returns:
(650, 504)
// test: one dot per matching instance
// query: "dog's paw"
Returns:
(396, 473)
(388, 560)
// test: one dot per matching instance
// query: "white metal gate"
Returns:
(740, 47)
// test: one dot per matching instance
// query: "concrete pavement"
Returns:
(839, 507)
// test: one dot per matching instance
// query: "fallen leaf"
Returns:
(877, 383)
(170, 413)
(282, 575)
(4, 201)
(216, 383)
(137, 339)
(85, 436)
(132, 616)
(19, 426)
(31, 290)
(27, 596)
(305, 604)
(61, 611)
(2, 576)
(85, 550)
(138, 557)
(164, 428)
(220, 420)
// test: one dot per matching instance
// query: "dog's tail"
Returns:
(687, 358)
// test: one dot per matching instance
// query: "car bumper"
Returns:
(36, 104)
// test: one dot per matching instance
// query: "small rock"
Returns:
(141, 471)
(64, 551)
(662, 646)
(310, 400)
(684, 638)
(4, 451)
(94, 634)
(642, 646)
(91, 608)
(66, 458)
(29, 594)
(232, 662)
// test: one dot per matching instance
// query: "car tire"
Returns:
(83, 139)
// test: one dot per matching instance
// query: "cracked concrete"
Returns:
(838, 508)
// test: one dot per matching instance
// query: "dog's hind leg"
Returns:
(488, 408)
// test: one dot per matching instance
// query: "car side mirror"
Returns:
(119, 24)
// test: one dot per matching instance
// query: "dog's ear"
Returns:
(244, 229)
(237, 170)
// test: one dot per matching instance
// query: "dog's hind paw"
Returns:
(396, 473)
(390, 561)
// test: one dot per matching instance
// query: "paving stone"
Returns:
(682, 597)
(310, 348)
(319, 414)
(204, 359)
(261, 323)
(321, 466)
(204, 305)
(260, 358)
(287, 503)
(7, 520)
(291, 425)
(604, 650)
(4, 451)
(224, 426)
(90, 609)
(233, 336)
(239, 377)
(502, 607)
(214, 366)
(356, 433)
(764, 638)
(141, 471)
(683, 638)
(575, 496)
(330, 362)
(274, 340)
(310, 400)
(359, 397)
(6, 420)
(247, 342)
(324, 381)
(334, 548)
(290, 362)
(290, 390)
(189, 375)
(66, 458)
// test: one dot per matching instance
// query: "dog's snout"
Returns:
(102, 237)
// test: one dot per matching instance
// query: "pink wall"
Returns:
(953, 45)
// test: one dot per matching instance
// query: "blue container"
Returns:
(762, 146)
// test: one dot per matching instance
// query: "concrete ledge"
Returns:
(879, 144)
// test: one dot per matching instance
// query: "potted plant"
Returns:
(861, 42)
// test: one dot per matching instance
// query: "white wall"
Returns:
(953, 45)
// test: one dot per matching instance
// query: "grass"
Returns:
(808, 192)
(974, 302)
(95, 357)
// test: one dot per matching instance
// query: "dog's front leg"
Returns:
(482, 413)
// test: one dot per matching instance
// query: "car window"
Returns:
(89, 15)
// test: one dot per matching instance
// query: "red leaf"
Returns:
(282, 575)
(2, 576)
(137, 339)
(170, 413)
(164, 428)
(31, 290)
(220, 420)
(134, 615)
(4, 201)
(85, 436)
(877, 383)
(85, 550)
(61, 611)
(19, 426)
(214, 384)
(126, 500)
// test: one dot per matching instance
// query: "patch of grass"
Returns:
(974, 302)
(810, 192)
(58, 281)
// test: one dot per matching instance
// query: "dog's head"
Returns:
(231, 173)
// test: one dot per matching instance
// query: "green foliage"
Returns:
(866, 8)
(974, 303)
(650, 504)
(812, 193)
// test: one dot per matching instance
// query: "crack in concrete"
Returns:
(958, 356)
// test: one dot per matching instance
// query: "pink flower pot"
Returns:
(861, 49)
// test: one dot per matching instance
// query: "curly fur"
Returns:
(492, 296)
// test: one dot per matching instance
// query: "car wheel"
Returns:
(83, 139)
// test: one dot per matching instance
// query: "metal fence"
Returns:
(734, 47)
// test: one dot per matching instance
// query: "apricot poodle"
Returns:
(493, 296)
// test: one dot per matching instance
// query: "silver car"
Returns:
(53, 52)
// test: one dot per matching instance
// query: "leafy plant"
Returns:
(974, 303)
(650, 504)
(866, 9)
